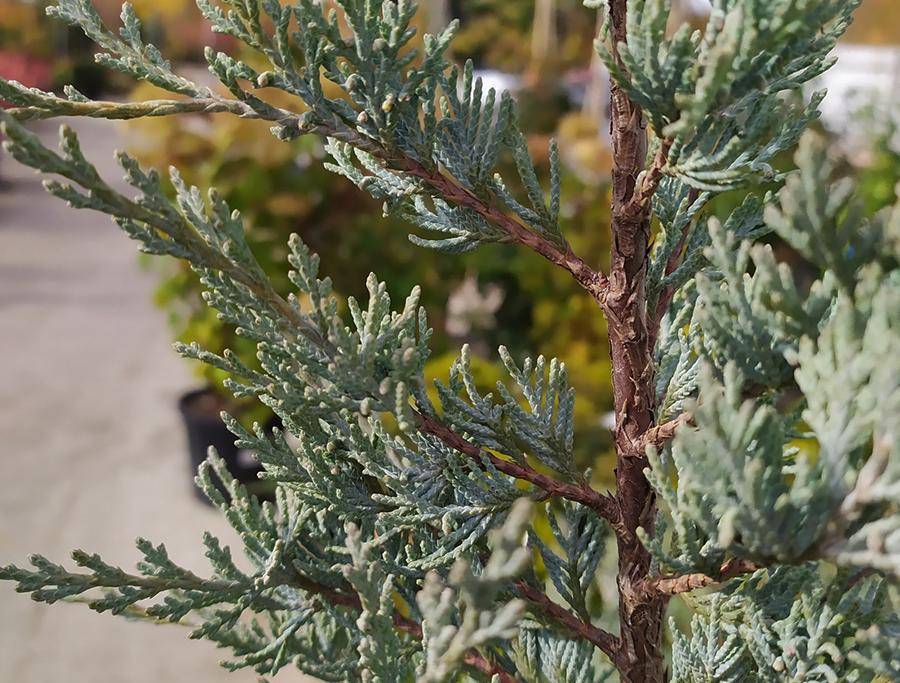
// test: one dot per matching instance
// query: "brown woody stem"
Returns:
(605, 506)
(640, 658)
(660, 435)
(673, 585)
(605, 641)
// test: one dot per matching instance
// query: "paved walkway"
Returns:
(92, 453)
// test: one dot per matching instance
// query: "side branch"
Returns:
(674, 585)
(595, 282)
(605, 641)
(292, 321)
(605, 506)
(47, 105)
(660, 435)
(640, 203)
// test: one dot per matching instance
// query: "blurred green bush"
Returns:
(497, 33)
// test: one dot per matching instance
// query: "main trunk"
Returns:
(641, 658)
(640, 619)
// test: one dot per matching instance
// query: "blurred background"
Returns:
(102, 424)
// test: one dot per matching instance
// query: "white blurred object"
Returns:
(471, 309)
(498, 80)
(697, 6)
(544, 36)
(864, 76)
(439, 14)
(608, 420)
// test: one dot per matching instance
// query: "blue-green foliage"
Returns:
(581, 538)
(394, 549)
(761, 481)
(333, 383)
(788, 624)
(541, 655)
(718, 96)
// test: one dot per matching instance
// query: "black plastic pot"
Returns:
(200, 413)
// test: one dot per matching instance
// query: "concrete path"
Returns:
(92, 452)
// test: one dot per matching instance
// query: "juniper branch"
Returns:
(606, 642)
(46, 105)
(369, 127)
(595, 282)
(291, 320)
(603, 505)
(705, 327)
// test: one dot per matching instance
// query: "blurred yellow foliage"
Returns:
(877, 22)
(158, 143)
(164, 9)
(585, 149)
(23, 27)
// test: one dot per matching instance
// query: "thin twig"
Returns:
(660, 434)
(594, 281)
(640, 203)
(863, 573)
(604, 505)
(104, 109)
(607, 642)
(673, 585)
(668, 292)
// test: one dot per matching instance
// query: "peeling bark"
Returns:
(641, 615)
